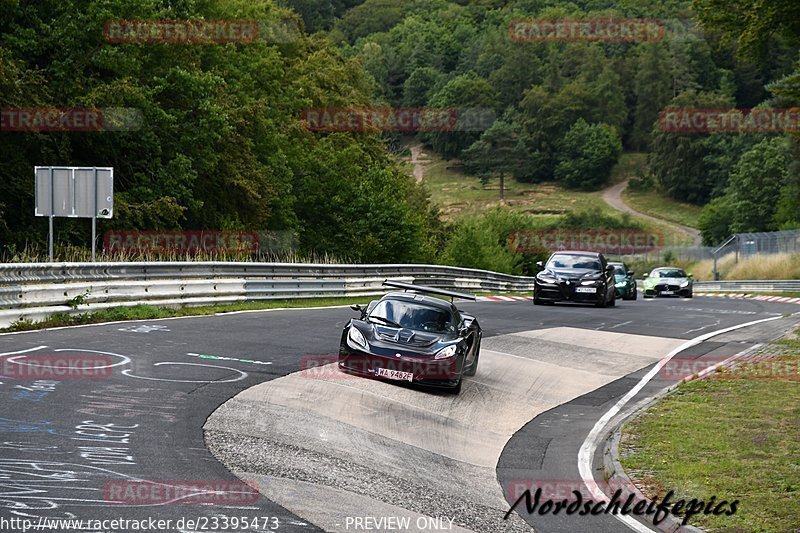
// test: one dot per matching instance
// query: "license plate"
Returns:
(394, 374)
(667, 292)
(586, 289)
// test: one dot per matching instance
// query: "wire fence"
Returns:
(738, 246)
(773, 242)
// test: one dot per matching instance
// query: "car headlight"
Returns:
(685, 284)
(357, 337)
(546, 279)
(447, 351)
(590, 282)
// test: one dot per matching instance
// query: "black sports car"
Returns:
(412, 337)
(574, 276)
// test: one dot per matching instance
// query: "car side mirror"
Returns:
(539, 264)
(360, 309)
(689, 274)
(631, 273)
(357, 307)
(610, 269)
(646, 275)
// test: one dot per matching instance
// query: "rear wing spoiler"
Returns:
(430, 290)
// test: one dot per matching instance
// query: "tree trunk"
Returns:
(502, 187)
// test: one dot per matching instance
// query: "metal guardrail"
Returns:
(748, 286)
(33, 291)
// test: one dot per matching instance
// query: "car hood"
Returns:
(669, 281)
(572, 274)
(619, 279)
(404, 339)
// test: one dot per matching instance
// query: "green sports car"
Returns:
(667, 281)
(624, 282)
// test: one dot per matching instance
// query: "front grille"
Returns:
(667, 287)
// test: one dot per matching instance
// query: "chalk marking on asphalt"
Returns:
(22, 351)
(242, 375)
(125, 359)
(593, 439)
(223, 358)
(717, 323)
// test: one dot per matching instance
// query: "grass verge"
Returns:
(458, 194)
(660, 206)
(150, 312)
(774, 266)
(735, 436)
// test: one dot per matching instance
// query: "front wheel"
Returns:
(613, 301)
(473, 369)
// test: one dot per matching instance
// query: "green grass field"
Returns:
(657, 205)
(460, 195)
(735, 436)
(150, 312)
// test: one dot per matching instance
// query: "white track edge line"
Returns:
(589, 445)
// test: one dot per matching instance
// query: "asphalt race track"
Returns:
(322, 448)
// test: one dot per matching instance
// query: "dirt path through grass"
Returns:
(419, 164)
(613, 197)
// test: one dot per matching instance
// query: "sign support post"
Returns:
(50, 235)
(94, 213)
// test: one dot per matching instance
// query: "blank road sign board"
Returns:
(76, 192)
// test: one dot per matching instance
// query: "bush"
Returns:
(483, 241)
(588, 153)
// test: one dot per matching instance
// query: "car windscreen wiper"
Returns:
(385, 321)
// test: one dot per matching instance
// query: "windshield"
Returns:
(619, 270)
(574, 261)
(669, 274)
(414, 316)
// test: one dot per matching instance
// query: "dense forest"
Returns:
(222, 146)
